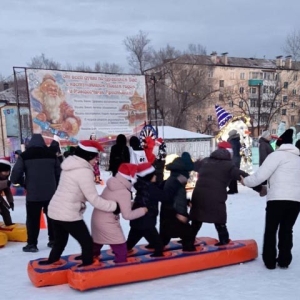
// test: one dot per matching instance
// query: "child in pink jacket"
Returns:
(106, 227)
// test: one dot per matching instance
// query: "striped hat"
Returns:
(222, 115)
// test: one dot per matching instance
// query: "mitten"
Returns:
(11, 206)
(117, 211)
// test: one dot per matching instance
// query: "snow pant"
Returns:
(280, 214)
(233, 187)
(221, 229)
(79, 231)
(151, 235)
(4, 212)
(119, 250)
(173, 228)
(33, 216)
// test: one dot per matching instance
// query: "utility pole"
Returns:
(153, 81)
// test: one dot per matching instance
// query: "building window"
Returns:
(230, 104)
(232, 75)
(252, 102)
(210, 74)
(284, 98)
(256, 75)
(221, 83)
(241, 103)
(276, 76)
(242, 90)
(221, 97)
(264, 118)
(273, 131)
(294, 92)
(295, 77)
(292, 118)
(242, 76)
(293, 105)
(198, 118)
(283, 112)
(285, 85)
(253, 90)
(209, 118)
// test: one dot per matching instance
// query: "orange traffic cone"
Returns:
(43, 224)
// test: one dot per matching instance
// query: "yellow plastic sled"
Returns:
(3, 239)
(14, 233)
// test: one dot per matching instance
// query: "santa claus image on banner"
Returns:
(48, 104)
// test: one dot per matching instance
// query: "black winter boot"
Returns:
(223, 234)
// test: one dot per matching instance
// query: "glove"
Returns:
(263, 191)
(117, 211)
(11, 206)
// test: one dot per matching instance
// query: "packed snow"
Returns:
(250, 280)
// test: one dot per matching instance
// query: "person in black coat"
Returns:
(148, 194)
(234, 140)
(55, 148)
(119, 154)
(209, 195)
(174, 217)
(41, 169)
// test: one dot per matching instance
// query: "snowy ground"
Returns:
(245, 281)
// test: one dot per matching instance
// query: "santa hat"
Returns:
(128, 171)
(4, 165)
(144, 169)
(225, 145)
(159, 141)
(90, 146)
(222, 115)
(285, 138)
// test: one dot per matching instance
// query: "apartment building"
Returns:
(267, 90)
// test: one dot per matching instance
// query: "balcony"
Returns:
(255, 82)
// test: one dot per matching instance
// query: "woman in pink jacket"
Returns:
(106, 227)
(66, 208)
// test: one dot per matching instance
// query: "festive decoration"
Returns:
(147, 131)
(240, 124)
(222, 115)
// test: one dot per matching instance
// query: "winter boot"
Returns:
(30, 248)
(223, 235)
(50, 244)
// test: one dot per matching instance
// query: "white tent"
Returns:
(180, 140)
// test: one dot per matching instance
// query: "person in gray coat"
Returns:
(38, 170)
(265, 147)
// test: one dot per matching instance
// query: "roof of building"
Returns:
(173, 133)
(242, 62)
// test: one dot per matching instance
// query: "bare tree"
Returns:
(162, 55)
(107, 68)
(292, 44)
(140, 51)
(196, 49)
(42, 62)
(181, 86)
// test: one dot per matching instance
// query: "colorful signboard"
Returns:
(73, 105)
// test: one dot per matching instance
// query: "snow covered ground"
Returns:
(244, 281)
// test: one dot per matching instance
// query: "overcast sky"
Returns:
(86, 31)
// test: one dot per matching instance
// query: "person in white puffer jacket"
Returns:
(282, 171)
(66, 208)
